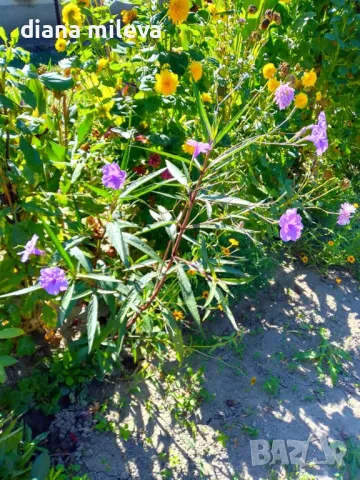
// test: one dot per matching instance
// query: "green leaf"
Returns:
(57, 82)
(65, 305)
(203, 115)
(31, 156)
(23, 291)
(141, 245)
(116, 238)
(5, 102)
(176, 173)
(3, 35)
(134, 185)
(175, 334)
(7, 360)
(58, 245)
(188, 295)
(92, 320)
(11, 333)
(81, 257)
(41, 467)
(219, 296)
(164, 154)
(85, 127)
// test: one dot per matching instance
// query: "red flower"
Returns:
(140, 169)
(141, 138)
(166, 175)
(155, 160)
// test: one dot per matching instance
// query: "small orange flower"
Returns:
(225, 251)
(338, 280)
(253, 381)
(220, 307)
(331, 243)
(191, 272)
(178, 315)
(351, 259)
(205, 294)
(304, 259)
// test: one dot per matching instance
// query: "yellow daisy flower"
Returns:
(331, 243)
(166, 82)
(309, 79)
(71, 15)
(220, 307)
(273, 84)
(5, 322)
(191, 272)
(356, 205)
(178, 11)
(60, 45)
(178, 315)
(233, 242)
(351, 259)
(206, 98)
(304, 259)
(338, 280)
(318, 96)
(128, 16)
(269, 70)
(196, 70)
(301, 100)
(205, 294)
(225, 251)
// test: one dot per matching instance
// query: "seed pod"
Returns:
(277, 18)
(264, 24)
(96, 227)
(284, 69)
(269, 14)
(252, 9)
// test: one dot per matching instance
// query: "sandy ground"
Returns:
(281, 321)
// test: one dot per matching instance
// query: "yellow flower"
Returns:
(196, 70)
(233, 242)
(60, 45)
(178, 11)
(178, 315)
(351, 259)
(301, 100)
(309, 79)
(331, 243)
(304, 259)
(205, 294)
(206, 98)
(338, 280)
(5, 322)
(269, 70)
(253, 381)
(356, 205)
(273, 84)
(220, 307)
(284, 1)
(166, 82)
(318, 96)
(225, 251)
(191, 272)
(128, 16)
(71, 15)
(101, 64)
(212, 8)
(190, 149)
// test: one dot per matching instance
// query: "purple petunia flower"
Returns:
(53, 280)
(290, 225)
(284, 95)
(30, 249)
(345, 213)
(113, 177)
(319, 135)
(200, 147)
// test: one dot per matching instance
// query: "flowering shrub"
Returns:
(144, 167)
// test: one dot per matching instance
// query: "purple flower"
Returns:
(284, 95)
(345, 213)
(30, 249)
(113, 177)
(241, 20)
(318, 135)
(199, 147)
(291, 225)
(53, 280)
(166, 175)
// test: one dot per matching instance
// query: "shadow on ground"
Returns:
(281, 321)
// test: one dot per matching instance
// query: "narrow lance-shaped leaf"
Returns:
(66, 303)
(58, 245)
(92, 321)
(188, 295)
(117, 240)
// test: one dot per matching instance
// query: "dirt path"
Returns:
(288, 401)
